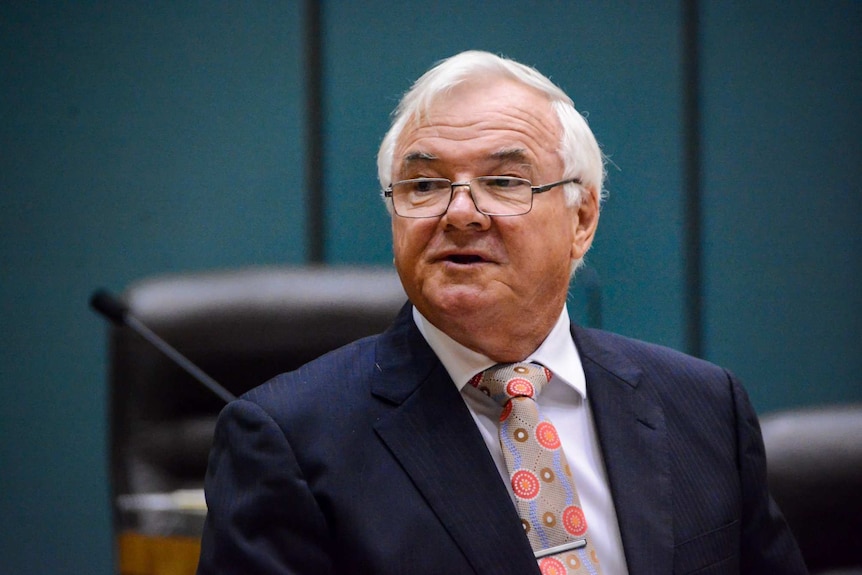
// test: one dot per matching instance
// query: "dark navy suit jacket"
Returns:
(367, 461)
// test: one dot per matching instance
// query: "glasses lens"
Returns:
(502, 195)
(421, 198)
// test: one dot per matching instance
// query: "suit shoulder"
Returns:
(690, 390)
(610, 350)
(329, 377)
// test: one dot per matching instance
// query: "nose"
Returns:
(462, 212)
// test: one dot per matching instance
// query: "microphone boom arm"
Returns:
(118, 313)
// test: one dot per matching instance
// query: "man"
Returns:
(381, 457)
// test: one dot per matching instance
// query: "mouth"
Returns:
(464, 259)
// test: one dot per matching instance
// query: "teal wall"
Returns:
(782, 115)
(145, 139)
(136, 139)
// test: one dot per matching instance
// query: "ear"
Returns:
(585, 220)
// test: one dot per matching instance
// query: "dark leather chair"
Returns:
(814, 460)
(241, 327)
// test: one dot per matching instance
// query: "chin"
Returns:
(460, 300)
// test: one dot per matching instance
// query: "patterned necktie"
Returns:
(542, 482)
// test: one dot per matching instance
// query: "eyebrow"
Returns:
(511, 155)
(506, 155)
(418, 157)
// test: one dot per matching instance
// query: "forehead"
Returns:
(483, 120)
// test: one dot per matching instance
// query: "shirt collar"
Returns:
(558, 353)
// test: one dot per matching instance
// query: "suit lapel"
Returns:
(433, 436)
(630, 423)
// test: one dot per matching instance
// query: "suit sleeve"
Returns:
(262, 518)
(768, 546)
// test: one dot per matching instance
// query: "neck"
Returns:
(500, 340)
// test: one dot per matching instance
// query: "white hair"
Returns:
(578, 148)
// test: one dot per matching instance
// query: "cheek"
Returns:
(408, 241)
(399, 232)
(545, 248)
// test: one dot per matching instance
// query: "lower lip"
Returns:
(465, 264)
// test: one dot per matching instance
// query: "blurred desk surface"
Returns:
(157, 555)
(160, 533)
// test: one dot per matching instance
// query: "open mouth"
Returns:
(464, 259)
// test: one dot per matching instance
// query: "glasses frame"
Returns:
(452, 185)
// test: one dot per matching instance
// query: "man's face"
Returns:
(495, 284)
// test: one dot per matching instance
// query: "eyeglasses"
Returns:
(492, 195)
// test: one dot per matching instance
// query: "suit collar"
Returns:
(461, 483)
(557, 352)
(596, 345)
(433, 436)
(630, 423)
(403, 360)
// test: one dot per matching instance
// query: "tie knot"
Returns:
(504, 381)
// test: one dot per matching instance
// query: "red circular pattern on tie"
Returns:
(548, 374)
(525, 484)
(551, 566)
(519, 387)
(507, 409)
(574, 521)
(546, 435)
(474, 381)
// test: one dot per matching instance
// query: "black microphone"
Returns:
(118, 312)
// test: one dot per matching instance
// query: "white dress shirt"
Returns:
(563, 401)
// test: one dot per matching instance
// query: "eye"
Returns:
(422, 186)
(504, 183)
(425, 186)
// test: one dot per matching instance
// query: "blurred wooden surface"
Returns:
(157, 555)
